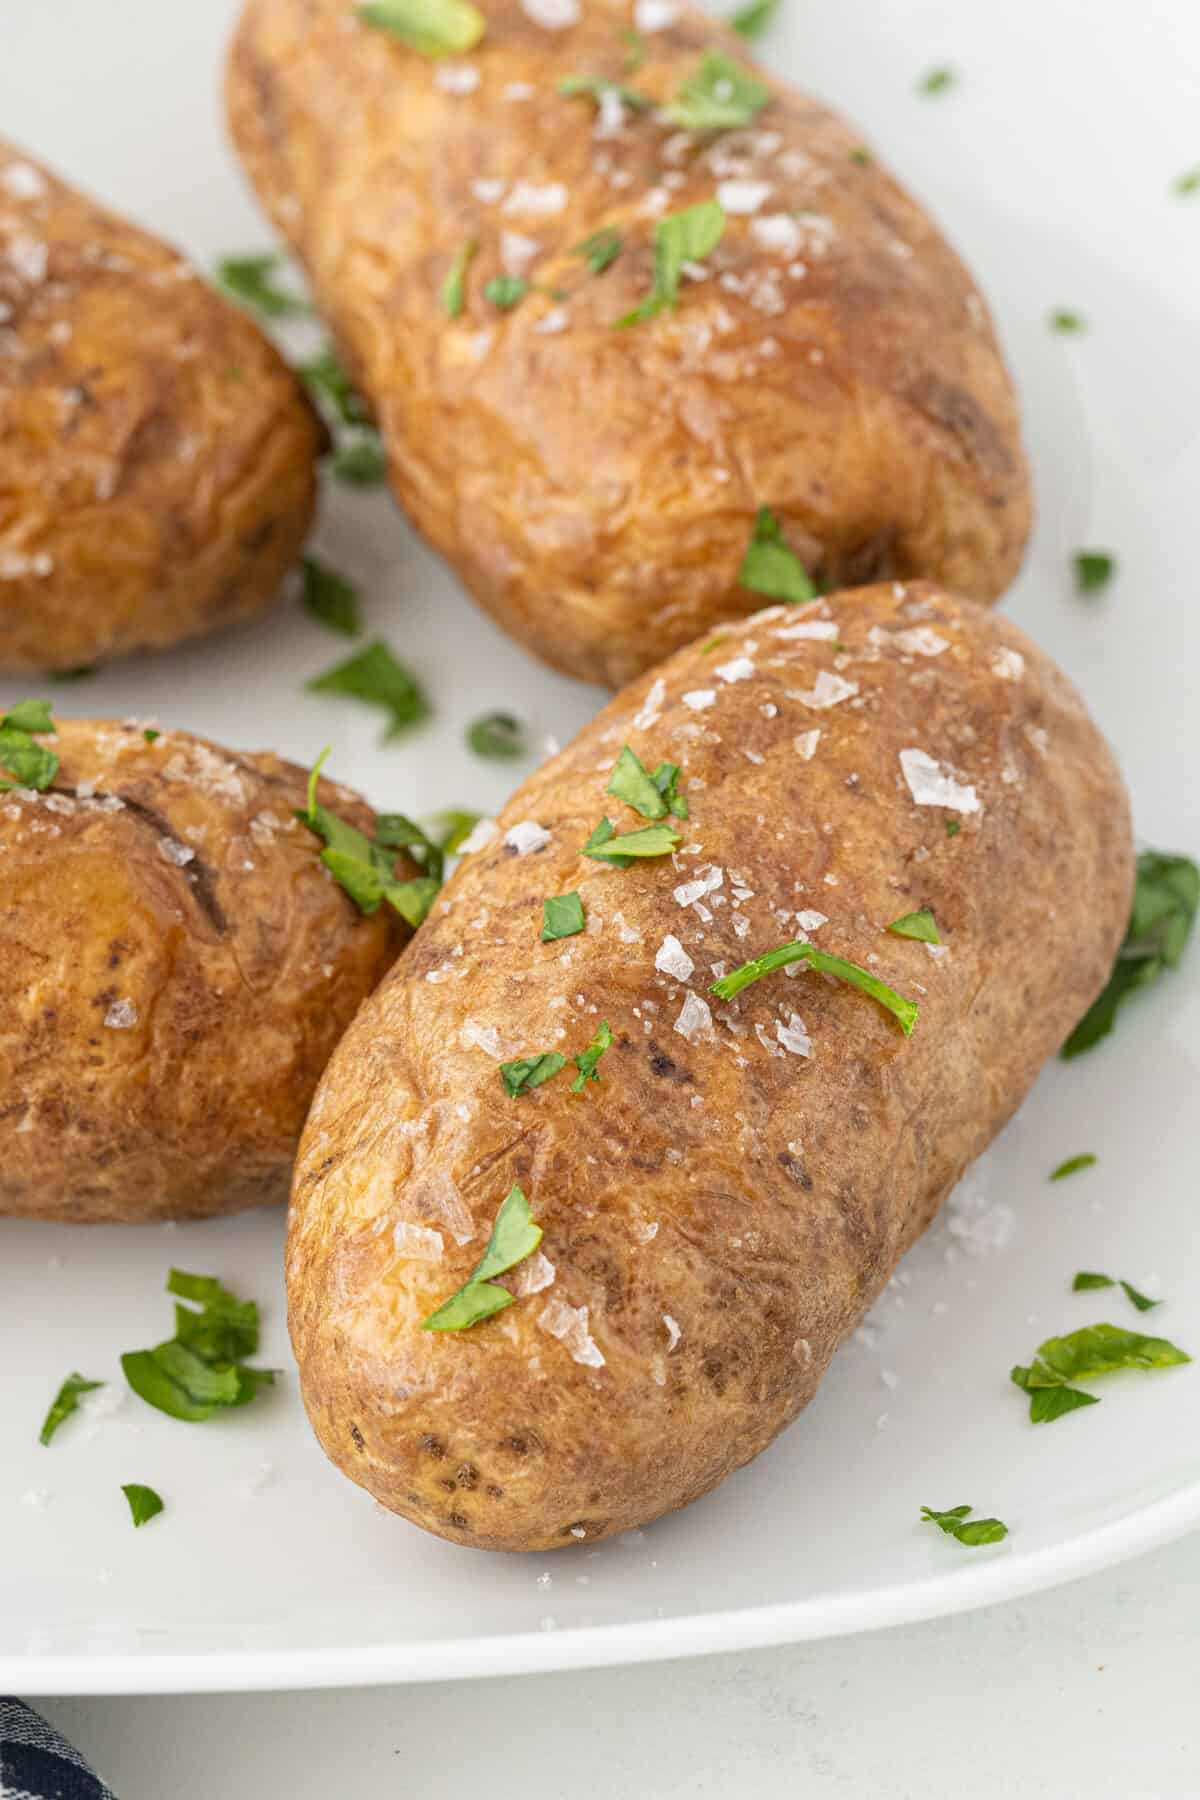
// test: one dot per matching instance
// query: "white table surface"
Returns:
(1085, 1693)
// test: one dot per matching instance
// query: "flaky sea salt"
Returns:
(742, 197)
(552, 15)
(740, 669)
(517, 251)
(456, 78)
(526, 837)
(1007, 665)
(806, 743)
(695, 1019)
(700, 698)
(474, 1036)
(931, 784)
(672, 959)
(479, 837)
(707, 881)
(534, 201)
(174, 852)
(793, 1036)
(569, 1324)
(417, 1243)
(920, 640)
(829, 690)
(122, 1015)
(650, 710)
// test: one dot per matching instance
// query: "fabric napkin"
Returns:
(37, 1764)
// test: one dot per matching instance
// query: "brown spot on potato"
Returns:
(794, 1169)
(433, 1446)
(467, 1477)
(665, 1066)
(356, 1437)
(459, 1521)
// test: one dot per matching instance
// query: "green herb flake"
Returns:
(1087, 1279)
(454, 287)
(151, 736)
(956, 1524)
(600, 249)
(719, 95)
(528, 1072)
(1166, 897)
(771, 567)
(920, 925)
(751, 21)
(329, 598)
(28, 716)
(332, 389)
(587, 1059)
(361, 461)
(1081, 1356)
(937, 81)
(953, 827)
(1094, 570)
(1187, 185)
(562, 916)
(497, 735)
(666, 780)
(375, 677)
(597, 87)
(635, 49)
(729, 986)
(144, 1503)
(505, 291)
(82, 672)
(1067, 322)
(1086, 1159)
(515, 1235)
(29, 763)
(861, 155)
(631, 782)
(680, 237)
(454, 828)
(64, 1403)
(200, 1369)
(251, 280)
(607, 845)
(434, 27)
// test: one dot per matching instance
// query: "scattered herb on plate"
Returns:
(202, 1368)
(751, 21)
(1081, 1356)
(1086, 1159)
(1166, 896)
(937, 81)
(360, 461)
(497, 735)
(1067, 322)
(956, 1523)
(953, 827)
(1087, 1279)
(454, 827)
(1185, 186)
(64, 1403)
(770, 566)
(329, 598)
(861, 155)
(434, 27)
(729, 986)
(562, 916)
(366, 870)
(375, 677)
(718, 95)
(151, 736)
(332, 389)
(515, 1235)
(505, 291)
(144, 1503)
(253, 280)
(680, 237)
(1093, 570)
(920, 925)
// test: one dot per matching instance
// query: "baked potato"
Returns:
(474, 236)
(175, 967)
(157, 457)
(724, 1200)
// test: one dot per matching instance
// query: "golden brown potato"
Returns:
(175, 968)
(596, 488)
(722, 1208)
(156, 454)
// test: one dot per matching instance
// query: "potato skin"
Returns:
(156, 454)
(756, 1197)
(596, 489)
(175, 969)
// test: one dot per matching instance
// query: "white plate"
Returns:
(1050, 164)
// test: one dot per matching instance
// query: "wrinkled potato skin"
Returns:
(156, 454)
(784, 1188)
(244, 964)
(596, 489)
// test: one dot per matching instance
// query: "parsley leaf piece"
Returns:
(920, 925)
(771, 567)
(600, 248)
(1087, 1279)
(375, 677)
(200, 1369)
(631, 782)
(651, 840)
(1142, 1301)
(636, 51)
(30, 765)
(515, 1235)
(64, 1403)
(954, 1523)
(595, 87)
(937, 81)
(528, 1072)
(455, 827)
(454, 287)
(587, 1059)
(861, 155)
(331, 387)
(1081, 1356)
(678, 238)
(666, 780)
(953, 827)
(28, 715)
(179, 1382)
(251, 279)
(729, 986)
(412, 899)
(361, 461)
(1186, 185)
(1086, 1159)
(752, 20)
(144, 1503)
(434, 27)
(1094, 570)
(1166, 898)
(562, 916)
(1065, 321)
(1047, 1403)
(396, 831)
(504, 291)
(151, 736)
(498, 735)
(719, 95)
(330, 598)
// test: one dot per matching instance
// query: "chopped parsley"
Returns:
(1081, 1356)
(562, 916)
(920, 925)
(367, 871)
(29, 764)
(1067, 322)
(528, 1072)
(83, 672)
(360, 461)
(144, 1503)
(651, 840)
(771, 567)
(955, 1522)
(600, 249)
(454, 287)
(64, 1403)
(1087, 1279)
(1166, 896)
(332, 389)
(1094, 570)
(330, 598)
(752, 20)
(251, 280)
(434, 27)
(504, 291)
(375, 677)
(937, 81)
(953, 827)
(1086, 1159)
(151, 736)
(635, 49)
(653, 795)
(1186, 185)
(498, 735)
(595, 87)
(719, 95)
(729, 986)
(515, 1235)
(201, 1368)
(678, 238)
(455, 828)
(587, 1059)
(861, 155)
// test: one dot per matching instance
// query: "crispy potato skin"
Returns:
(176, 967)
(596, 489)
(156, 454)
(756, 1196)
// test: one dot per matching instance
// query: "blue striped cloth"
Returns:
(37, 1764)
